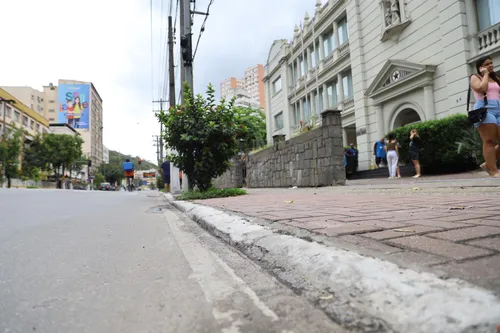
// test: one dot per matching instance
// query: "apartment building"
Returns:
(16, 114)
(251, 87)
(73, 103)
(384, 64)
(228, 86)
(32, 98)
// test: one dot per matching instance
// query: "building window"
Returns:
(296, 114)
(488, 12)
(17, 116)
(331, 90)
(8, 111)
(277, 85)
(328, 44)
(38, 128)
(303, 66)
(315, 55)
(343, 31)
(321, 107)
(32, 97)
(307, 109)
(278, 121)
(52, 101)
(52, 110)
(52, 119)
(347, 83)
(25, 121)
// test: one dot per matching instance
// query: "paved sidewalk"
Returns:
(455, 232)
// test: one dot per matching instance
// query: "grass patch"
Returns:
(32, 187)
(212, 193)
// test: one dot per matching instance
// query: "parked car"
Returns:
(105, 187)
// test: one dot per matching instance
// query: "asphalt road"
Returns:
(78, 261)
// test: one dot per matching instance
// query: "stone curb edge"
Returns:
(360, 293)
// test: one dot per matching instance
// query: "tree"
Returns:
(99, 179)
(251, 128)
(10, 150)
(112, 172)
(203, 135)
(33, 160)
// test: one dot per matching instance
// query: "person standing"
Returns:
(166, 175)
(486, 87)
(414, 151)
(379, 152)
(392, 151)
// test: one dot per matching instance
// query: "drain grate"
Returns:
(159, 209)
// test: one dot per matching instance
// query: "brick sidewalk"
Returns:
(458, 234)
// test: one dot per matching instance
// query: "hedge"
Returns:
(449, 144)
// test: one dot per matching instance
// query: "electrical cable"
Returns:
(202, 29)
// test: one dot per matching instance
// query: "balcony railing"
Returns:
(348, 103)
(489, 38)
(344, 48)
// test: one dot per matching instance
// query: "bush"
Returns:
(203, 134)
(212, 193)
(446, 144)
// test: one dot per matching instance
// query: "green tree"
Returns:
(33, 160)
(10, 150)
(99, 179)
(251, 128)
(61, 152)
(203, 135)
(112, 172)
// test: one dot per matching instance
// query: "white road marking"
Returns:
(217, 280)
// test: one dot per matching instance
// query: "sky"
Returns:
(110, 44)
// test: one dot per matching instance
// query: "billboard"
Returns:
(148, 174)
(74, 107)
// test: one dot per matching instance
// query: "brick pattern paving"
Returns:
(444, 229)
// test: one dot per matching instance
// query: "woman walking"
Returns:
(487, 84)
(392, 155)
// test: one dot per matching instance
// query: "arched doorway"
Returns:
(406, 117)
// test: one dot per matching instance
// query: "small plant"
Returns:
(212, 193)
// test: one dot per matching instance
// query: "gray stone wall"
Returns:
(233, 178)
(315, 158)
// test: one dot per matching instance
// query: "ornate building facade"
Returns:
(385, 64)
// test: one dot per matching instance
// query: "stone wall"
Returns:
(315, 158)
(233, 178)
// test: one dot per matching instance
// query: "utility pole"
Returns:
(171, 65)
(161, 129)
(186, 45)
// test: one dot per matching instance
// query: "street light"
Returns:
(9, 101)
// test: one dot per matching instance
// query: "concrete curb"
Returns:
(360, 293)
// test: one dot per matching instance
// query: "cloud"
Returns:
(109, 43)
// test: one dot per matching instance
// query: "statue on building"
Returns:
(395, 12)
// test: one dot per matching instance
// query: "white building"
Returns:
(384, 63)
(243, 98)
(105, 155)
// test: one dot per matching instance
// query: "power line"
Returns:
(202, 29)
(152, 58)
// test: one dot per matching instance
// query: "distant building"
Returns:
(63, 129)
(105, 155)
(75, 103)
(252, 84)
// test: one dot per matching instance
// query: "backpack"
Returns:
(128, 166)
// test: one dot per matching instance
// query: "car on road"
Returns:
(105, 187)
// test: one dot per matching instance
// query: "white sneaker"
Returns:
(391, 178)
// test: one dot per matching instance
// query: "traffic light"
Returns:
(187, 49)
(139, 160)
(89, 163)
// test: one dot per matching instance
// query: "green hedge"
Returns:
(449, 144)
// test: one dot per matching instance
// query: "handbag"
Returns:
(477, 115)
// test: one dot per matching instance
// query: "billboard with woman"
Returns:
(74, 107)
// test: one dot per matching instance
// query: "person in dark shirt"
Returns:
(414, 151)
(166, 175)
